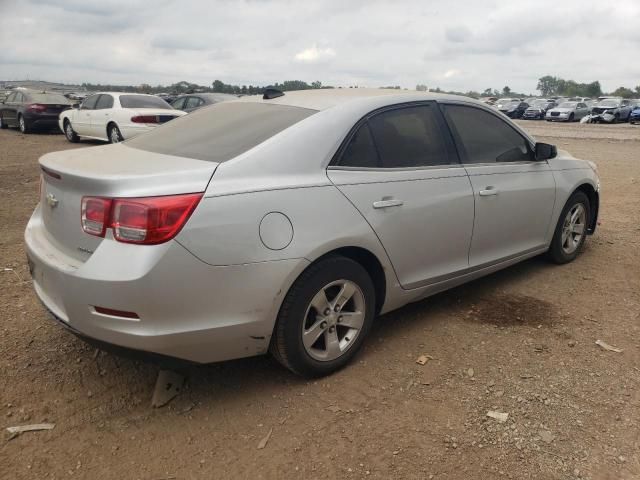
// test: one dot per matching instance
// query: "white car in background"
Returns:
(114, 117)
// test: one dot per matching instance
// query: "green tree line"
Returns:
(550, 85)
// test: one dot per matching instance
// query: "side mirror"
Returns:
(75, 105)
(545, 151)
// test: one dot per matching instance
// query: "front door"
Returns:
(399, 170)
(101, 115)
(514, 194)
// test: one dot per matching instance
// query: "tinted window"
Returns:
(105, 101)
(484, 138)
(409, 137)
(142, 101)
(193, 102)
(90, 102)
(360, 152)
(219, 133)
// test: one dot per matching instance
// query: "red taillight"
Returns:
(145, 119)
(96, 212)
(36, 107)
(147, 221)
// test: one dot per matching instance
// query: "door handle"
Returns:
(488, 191)
(387, 202)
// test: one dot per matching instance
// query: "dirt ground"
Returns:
(521, 341)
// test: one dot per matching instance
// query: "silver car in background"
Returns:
(567, 112)
(288, 222)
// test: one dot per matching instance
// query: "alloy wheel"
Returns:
(69, 131)
(23, 127)
(573, 228)
(333, 320)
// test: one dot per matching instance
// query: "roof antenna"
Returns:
(270, 93)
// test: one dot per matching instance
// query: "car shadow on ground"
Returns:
(242, 377)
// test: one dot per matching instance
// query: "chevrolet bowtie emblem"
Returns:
(52, 201)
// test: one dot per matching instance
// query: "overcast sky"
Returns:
(453, 44)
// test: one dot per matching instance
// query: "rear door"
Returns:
(514, 193)
(101, 115)
(399, 169)
(83, 117)
(9, 110)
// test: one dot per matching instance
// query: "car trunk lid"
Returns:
(114, 171)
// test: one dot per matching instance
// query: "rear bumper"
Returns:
(187, 309)
(41, 120)
(133, 130)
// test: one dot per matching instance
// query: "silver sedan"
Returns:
(287, 222)
(567, 112)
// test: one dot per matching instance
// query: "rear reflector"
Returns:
(146, 220)
(116, 313)
(96, 212)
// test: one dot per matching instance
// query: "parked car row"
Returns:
(605, 109)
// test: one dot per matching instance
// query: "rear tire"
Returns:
(23, 125)
(571, 229)
(2, 124)
(324, 317)
(70, 133)
(113, 132)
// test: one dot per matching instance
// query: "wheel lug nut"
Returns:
(331, 329)
(339, 319)
(337, 309)
(327, 311)
(323, 325)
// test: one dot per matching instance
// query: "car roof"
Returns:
(117, 94)
(323, 99)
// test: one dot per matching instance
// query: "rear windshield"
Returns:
(142, 101)
(220, 132)
(49, 98)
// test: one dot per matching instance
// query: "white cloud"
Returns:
(315, 54)
(452, 73)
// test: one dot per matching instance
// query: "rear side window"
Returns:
(406, 137)
(361, 151)
(484, 138)
(221, 132)
(409, 137)
(105, 101)
(142, 101)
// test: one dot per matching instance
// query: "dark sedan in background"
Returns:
(28, 110)
(512, 107)
(538, 108)
(193, 101)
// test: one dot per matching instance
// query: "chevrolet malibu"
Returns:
(288, 222)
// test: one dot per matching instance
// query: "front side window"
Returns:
(90, 102)
(11, 98)
(105, 101)
(484, 138)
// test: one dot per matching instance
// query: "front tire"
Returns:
(572, 117)
(70, 133)
(571, 230)
(113, 132)
(3, 125)
(325, 317)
